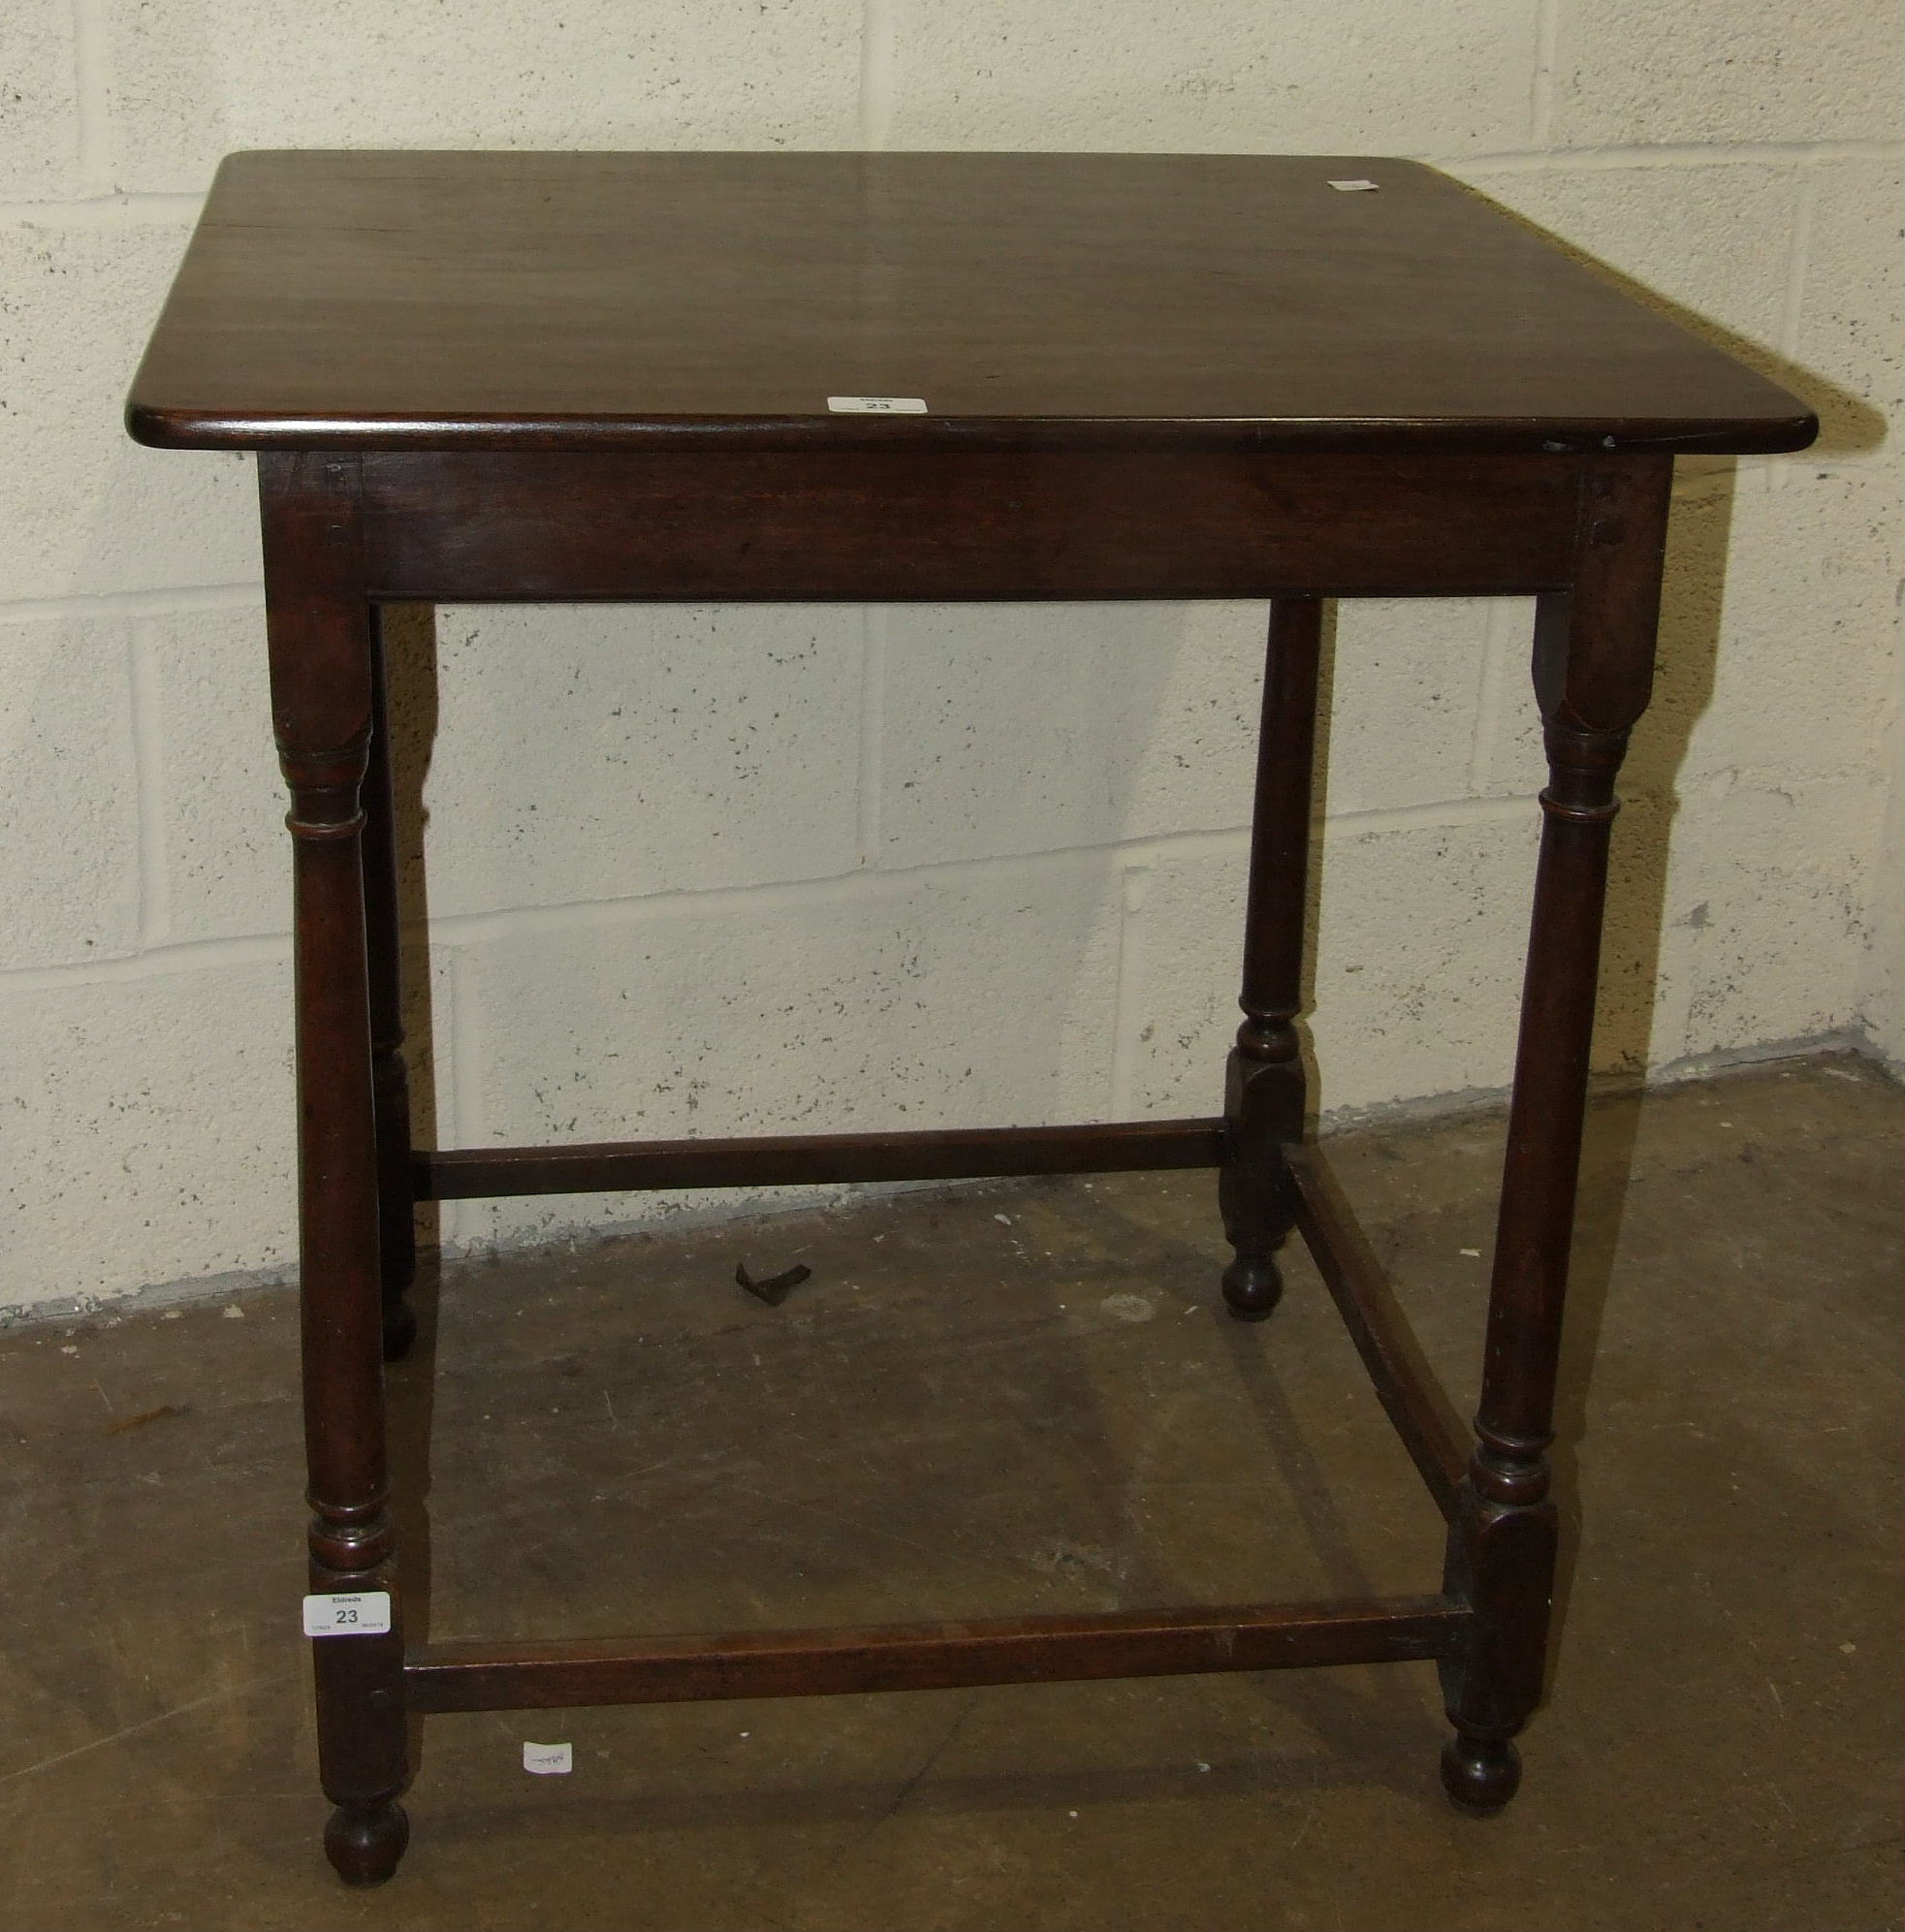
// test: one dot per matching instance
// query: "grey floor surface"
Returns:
(1021, 1399)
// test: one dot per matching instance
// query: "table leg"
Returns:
(321, 697)
(1593, 667)
(1263, 1098)
(390, 1081)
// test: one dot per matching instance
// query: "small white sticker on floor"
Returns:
(366, 1613)
(1354, 188)
(549, 1761)
(877, 405)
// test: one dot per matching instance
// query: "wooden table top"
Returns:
(593, 301)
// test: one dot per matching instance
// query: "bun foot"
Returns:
(364, 1842)
(1480, 1774)
(399, 1330)
(1253, 1287)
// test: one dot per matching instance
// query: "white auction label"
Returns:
(877, 405)
(549, 1761)
(367, 1614)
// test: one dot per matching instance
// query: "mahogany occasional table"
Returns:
(486, 377)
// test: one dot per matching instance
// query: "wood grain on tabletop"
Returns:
(420, 300)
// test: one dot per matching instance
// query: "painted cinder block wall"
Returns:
(716, 870)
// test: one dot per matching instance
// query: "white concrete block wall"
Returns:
(959, 997)
(726, 871)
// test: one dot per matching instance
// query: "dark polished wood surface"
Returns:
(725, 526)
(426, 300)
(932, 1657)
(765, 1161)
(555, 377)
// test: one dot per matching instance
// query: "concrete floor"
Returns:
(1015, 1399)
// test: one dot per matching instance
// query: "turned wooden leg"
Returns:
(1263, 1096)
(397, 1231)
(1593, 668)
(320, 696)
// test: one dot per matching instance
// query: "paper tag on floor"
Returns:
(1354, 188)
(549, 1761)
(366, 1614)
(877, 405)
